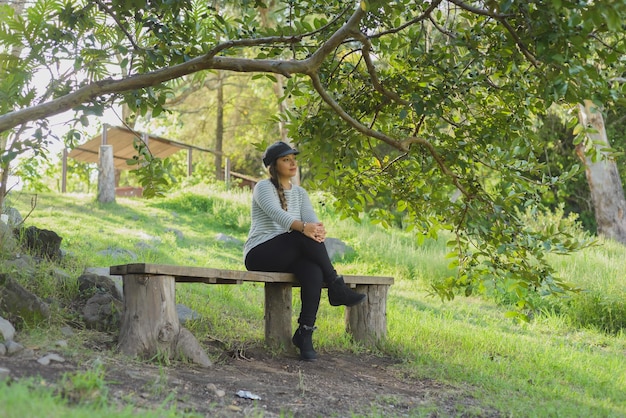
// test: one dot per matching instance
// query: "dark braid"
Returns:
(279, 187)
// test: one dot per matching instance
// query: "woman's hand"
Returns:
(315, 231)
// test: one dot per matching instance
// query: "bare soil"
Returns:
(335, 385)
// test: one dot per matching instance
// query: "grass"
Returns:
(561, 364)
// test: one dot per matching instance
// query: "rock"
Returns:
(27, 353)
(22, 263)
(15, 218)
(3, 349)
(48, 358)
(185, 314)
(118, 253)
(13, 347)
(7, 331)
(102, 312)
(62, 277)
(179, 235)
(189, 347)
(8, 243)
(67, 331)
(5, 374)
(226, 239)
(336, 248)
(42, 242)
(105, 271)
(91, 283)
(19, 302)
(144, 246)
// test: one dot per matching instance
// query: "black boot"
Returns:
(303, 339)
(340, 294)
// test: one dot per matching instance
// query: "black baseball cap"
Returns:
(277, 150)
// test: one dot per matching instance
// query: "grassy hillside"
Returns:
(553, 366)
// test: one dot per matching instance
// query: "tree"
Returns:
(429, 104)
(193, 114)
(602, 175)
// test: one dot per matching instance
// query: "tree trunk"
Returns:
(282, 107)
(4, 179)
(607, 193)
(150, 327)
(106, 175)
(5, 169)
(219, 127)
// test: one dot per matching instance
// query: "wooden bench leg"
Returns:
(367, 321)
(278, 315)
(150, 326)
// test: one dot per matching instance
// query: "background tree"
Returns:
(248, 117)
(429, 104)
(559, 155)
(602, 174)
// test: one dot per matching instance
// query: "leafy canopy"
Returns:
(421, 112)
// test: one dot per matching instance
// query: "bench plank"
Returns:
(221, 276)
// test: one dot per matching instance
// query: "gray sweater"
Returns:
(269, 219)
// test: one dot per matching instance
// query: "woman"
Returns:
(286, 236)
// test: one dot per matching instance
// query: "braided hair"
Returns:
(276, 183)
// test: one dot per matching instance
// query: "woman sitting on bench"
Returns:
(286, 236)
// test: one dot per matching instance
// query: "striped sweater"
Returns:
(269, 219)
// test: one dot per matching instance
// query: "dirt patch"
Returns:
(335, 385)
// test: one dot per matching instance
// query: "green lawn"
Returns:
(556, 365)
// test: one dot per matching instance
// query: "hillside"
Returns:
(458, 358)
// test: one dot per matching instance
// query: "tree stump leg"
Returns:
(278, 315)
(367, 321)
(106, 175)
(150, 326)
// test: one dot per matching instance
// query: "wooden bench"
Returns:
(366, 322)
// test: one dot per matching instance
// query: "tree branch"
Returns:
(206, 62)
(423, 16)
(139, 81)
(403, 146)
(317, 85)
(372, 72)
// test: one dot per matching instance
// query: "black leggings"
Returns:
(307, 259)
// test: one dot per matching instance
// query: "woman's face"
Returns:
(287, 166)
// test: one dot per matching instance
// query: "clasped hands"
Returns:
(315, 231)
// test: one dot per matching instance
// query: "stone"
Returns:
(5, 374)
(8, 243)
(118, 253)
(104, 271)
(19, 302)
(226, 239)
(91, 283)
(102, 312)
(178, 233)
(22, 263)
(6, 330)
(67, 331)
(13, 347)
(336, 248)
(185, 314)
(15, 218)
(48, 358)
(42, 242)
